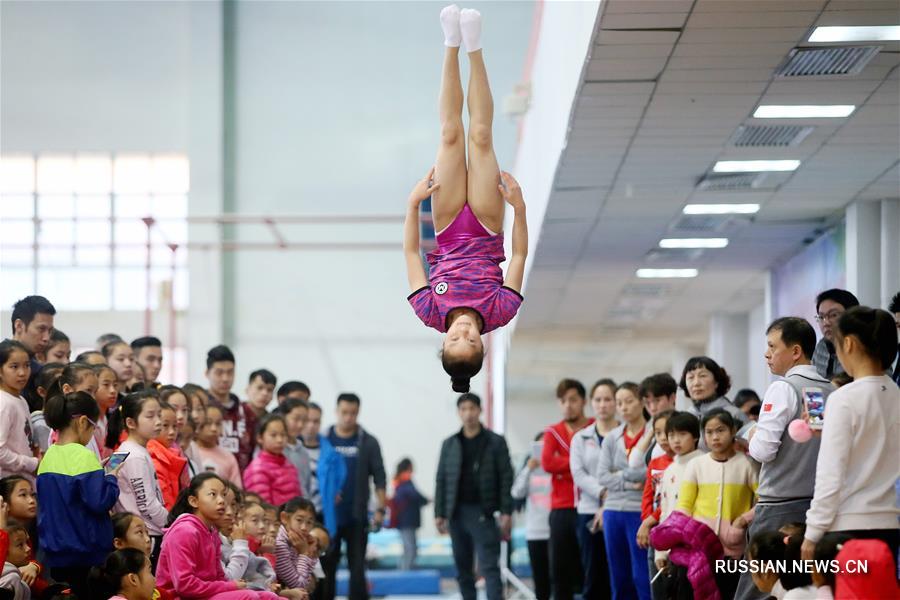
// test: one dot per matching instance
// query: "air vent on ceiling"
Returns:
(755, 136)
(834, 60)
(702, 223)
(673, 255)
(647, 290)
(730, 182)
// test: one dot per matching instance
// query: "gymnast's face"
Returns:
(463, 337)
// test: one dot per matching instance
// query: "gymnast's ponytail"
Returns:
(462, 370)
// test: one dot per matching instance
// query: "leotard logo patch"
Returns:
(441, 288)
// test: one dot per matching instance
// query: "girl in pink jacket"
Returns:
(271, 474)
(190, 564)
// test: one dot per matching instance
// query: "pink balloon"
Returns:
(799, 431)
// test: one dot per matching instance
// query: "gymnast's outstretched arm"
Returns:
(415, 272)
(512, 193)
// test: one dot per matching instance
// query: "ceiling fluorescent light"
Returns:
(885, 33)
(755, 166)
(666, 273)
(693, 243)
(825, 111)
(721, 209)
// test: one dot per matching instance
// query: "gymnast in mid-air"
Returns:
(466, 295)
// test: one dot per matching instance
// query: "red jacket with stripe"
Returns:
(555, 460)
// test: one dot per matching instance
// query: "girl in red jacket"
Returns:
(271, 474)
(168, 461)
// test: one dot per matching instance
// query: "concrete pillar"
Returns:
(890, 250)
(728, 346)
(864, 251)
(204, 319)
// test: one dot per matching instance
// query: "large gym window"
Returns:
(74, 228)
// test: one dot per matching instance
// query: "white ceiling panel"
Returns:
(753, 19)
(617, 7)
(667, 20)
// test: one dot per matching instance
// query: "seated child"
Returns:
(190, 564)
(130, 531)
(17, 556)
(260, 573)
(323, 540)
(295, 548)
(125, 575)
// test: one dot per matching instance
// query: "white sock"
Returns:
(450, 25)
(470, 24)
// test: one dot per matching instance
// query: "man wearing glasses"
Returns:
(830, 305)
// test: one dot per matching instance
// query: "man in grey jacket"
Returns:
(362, 457)
(474, 477)
(788, 473)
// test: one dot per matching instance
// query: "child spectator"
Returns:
(170, 464)
(210, 457)
(107, 396)
(190, 564)
(854, 490)
(21, 501)
(718, 489)
(75, 494)
(235, 550)
(198, 400)
(140, 494)
(40, 433)
(295, 412)
(17, 556)
(650, 500)
(125, 575)
(764, 549)
(259, 391)
(17, 453)
(59, 349)
(295, 548)
(622, 508)
(120, 357)
(323, 541)
(175, 397)
(406, 512)
(130, 531)
(533, 485)
(271, 474)
(260, 571)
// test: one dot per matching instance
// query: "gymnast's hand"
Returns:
(511, 191)
(424, 188)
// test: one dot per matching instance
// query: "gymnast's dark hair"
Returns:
(875, 329)
(462, 370)
(130, 408)
(182, 505)
(59, 410)
(43, 380)
(71, 374)
(106, 581)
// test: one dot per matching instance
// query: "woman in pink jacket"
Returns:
(271, 474)
(190, 564)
